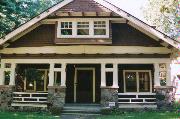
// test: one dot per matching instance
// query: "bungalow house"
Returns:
(88, 52)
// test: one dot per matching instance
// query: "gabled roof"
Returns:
(135, 21)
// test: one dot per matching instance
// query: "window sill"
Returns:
(83, 41)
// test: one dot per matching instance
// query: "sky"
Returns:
(131, 6)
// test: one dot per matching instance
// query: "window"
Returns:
(66, 28)
(82, 28)
(99, 28)
(137, 81)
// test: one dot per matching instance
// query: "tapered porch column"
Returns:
(168, 75)
(63, 74)
(103, 75)
(12, 74)
(156, 75)
(2, 74)
(51, 75)
(115, 76)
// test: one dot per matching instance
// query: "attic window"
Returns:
(66, 28)
(83, 28)
(99, 28)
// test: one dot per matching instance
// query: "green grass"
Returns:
(25, 115)
(143, 115)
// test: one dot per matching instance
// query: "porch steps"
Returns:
(81, 109)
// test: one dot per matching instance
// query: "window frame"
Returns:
(74, 28)
(137, 80)
(66, 28)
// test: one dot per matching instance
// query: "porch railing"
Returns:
(26, 97)
(136, 98)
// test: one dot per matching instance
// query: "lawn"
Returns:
(25, 115)
(143, 115)
(127, 115)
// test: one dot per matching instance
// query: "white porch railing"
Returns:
(136, 98)
(26, 97)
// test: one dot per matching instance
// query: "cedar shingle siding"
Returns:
(84, 6)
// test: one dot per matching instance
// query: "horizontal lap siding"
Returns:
(121, 35)
(126, 35)
(43, 35)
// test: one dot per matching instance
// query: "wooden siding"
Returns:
(122, 35)
(126, 35)
(82, 6)
(43, 35)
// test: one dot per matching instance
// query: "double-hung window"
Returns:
(137, 81)
(99, 28)
(66, 28)
(83, 28)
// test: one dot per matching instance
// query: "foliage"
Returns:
(162, 14)
(160, 97)
(14, 13)
(33, 74)
(26, 115)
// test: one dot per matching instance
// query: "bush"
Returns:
(55, 110)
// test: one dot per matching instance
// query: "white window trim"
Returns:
(137, 80)
(74, 28)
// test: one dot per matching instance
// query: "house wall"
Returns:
(122, 35)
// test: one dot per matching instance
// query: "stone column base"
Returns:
(165, 96)
(6, 96)
(109, 97)
(56, 97)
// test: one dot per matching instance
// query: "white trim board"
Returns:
(90, 61)
(87, 49)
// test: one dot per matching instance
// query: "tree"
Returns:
(13, 13)
(162, 14)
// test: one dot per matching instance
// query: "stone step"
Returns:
(78, 109)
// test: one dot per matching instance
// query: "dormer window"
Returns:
(66, 28)
(83, 28)
(99, 28)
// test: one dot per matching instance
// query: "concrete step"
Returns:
(89, 109)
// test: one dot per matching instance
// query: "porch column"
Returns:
(2, 74)
(12, 74)
(156, 75)
(168, 75)
(51, 75)
(103, 75)
(115, 76)
(63, 74)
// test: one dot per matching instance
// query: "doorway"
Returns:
(84, 85)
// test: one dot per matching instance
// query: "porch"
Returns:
(112, 82)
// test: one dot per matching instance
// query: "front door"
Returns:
(84, 85)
